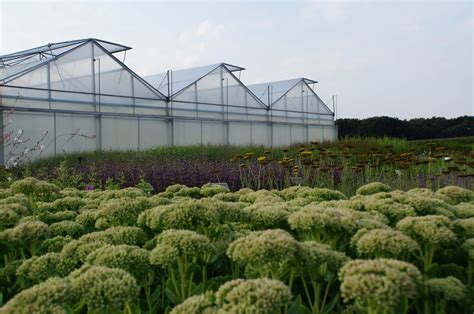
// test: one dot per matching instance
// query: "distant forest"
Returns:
(414, 129)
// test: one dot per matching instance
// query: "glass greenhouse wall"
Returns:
(297, 113)
(78, 96)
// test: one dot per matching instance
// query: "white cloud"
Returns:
(330, 11)
(196, 44)
(203, 31)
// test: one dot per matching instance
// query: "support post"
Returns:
(138, 133)
(226, 122)
(169, 108)
(98, 124)
(55, 134)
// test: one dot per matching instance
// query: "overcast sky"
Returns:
(403, 59)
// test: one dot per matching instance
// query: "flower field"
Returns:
(207, 249)
(344, 165)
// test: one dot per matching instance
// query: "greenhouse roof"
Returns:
(20, 62)
(181, 79)
(278, 89)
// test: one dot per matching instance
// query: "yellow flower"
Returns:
(306, 153)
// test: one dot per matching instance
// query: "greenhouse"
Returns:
(80, 96)
(295, 103)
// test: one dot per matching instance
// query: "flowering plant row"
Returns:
(343, 165)
(208, 250)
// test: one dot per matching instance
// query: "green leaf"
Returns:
(135, 308)
(297, 307)
(172, 296)
(432, 271)
(156, 294)
(328, 276)
(170, 292)
(197, 289)
(328, 308)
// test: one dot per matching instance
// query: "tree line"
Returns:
(413, 129)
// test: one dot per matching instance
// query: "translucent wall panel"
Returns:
(314, 105)
(260, 134)
(186, 132)
(28, 97)
(153, 133)
(69, 131)
(185, 105)
(141, 90)
(119, 133)
(315, 133)
(236, 94)
(281, 135)
(8, 72)
(329, 133)
(297, 134)
(72, 72)
(218, 92)
(239, 133)
(213, 112)
(61, 102)
(260, 114)
(210, 90)
(111, 78)
(183, 109)
(207, 91)
(150, 107)
(291, 104)
(213, 133)
(180, 79)
(78, 75)
(326, 122)
(29, 128)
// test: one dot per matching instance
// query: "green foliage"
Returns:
(265, 251)
(209, 250)
(39, 190)
(372, 188)
(414, 129)
(104, 289)
(51, 296)
(380, 284)
(240, 296)
(377, 243)
(131, 258)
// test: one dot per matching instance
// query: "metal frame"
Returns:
(154, 90)
(150, 116)
(305, 81)
(46, 61)
(319, 98)
(179, 92)
(249, 91)
(78, 43)
(59, 45)
(172, 94)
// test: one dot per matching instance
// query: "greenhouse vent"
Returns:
(78, 96)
